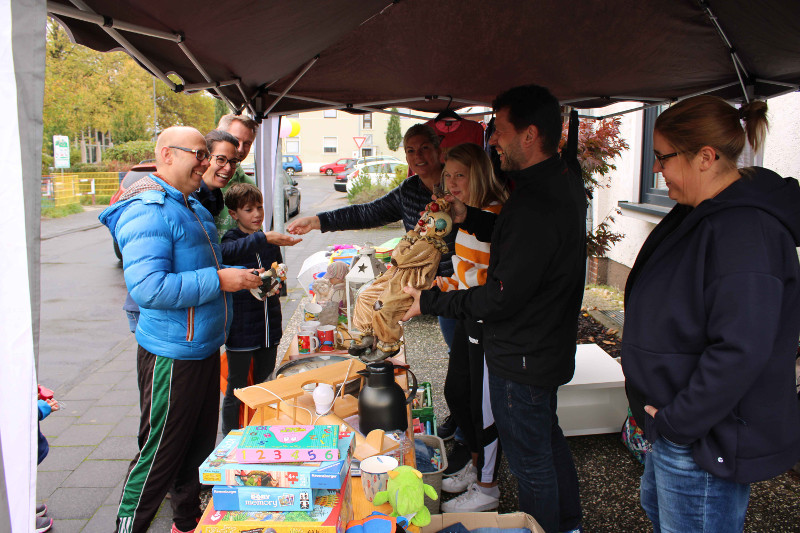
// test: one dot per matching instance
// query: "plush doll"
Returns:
(329, 293)
(271, 281)
(381, 305)
(406, 492)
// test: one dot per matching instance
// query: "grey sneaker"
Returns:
(472, 501)
(41, 509)
(461, 480)
(43, 524)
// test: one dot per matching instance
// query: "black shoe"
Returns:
(447, 428)
(457, 458)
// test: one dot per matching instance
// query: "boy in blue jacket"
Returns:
(256, 329)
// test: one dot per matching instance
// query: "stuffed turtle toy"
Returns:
(406, 492)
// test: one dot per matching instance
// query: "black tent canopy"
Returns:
(285, 56)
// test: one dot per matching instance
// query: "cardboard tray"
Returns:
(476, 520)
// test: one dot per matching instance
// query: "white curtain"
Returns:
(22, 53)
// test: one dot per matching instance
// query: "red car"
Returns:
(334, 168)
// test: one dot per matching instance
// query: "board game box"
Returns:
(221, 468)
(261, 499)
(332, 511)
(288, 444)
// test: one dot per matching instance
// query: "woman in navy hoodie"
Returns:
(712, 321)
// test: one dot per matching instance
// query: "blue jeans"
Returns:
(448, 327)
(679, 496)
(537, 452)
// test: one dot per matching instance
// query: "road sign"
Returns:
(359, 141)
(61, 151)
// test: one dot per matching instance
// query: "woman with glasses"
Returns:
(712, 308)
(222, 147)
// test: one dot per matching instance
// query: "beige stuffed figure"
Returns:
(381, 305)
(329, 292)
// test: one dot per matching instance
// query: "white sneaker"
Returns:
(462, 479)
(472, 501)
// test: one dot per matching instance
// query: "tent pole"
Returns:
(203, 73)
(108, 22)
(294, 81)
(244, 97)
(114, 34)
(737, 61)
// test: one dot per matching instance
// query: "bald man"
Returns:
(172, 264)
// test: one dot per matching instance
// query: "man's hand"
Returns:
(236, 279)
(650, 410)
(414, 310)
(281, 239)
(301, 226)
(458, 211)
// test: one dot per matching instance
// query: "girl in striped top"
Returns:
(468, 176)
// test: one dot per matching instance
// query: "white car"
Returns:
(378, 172)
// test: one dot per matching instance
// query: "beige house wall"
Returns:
(315, 127)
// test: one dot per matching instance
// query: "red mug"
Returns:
(307, 342)
(325, 336)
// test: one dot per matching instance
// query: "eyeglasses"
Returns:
(662, 158)
(222, 160)
(198, 153)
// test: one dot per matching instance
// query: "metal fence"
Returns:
(86, 188)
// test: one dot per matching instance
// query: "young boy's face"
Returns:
(249, 217)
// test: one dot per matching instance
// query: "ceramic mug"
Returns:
(375, 474)
(325, 336)
(311, 326)
(312, 311)
(307, 342)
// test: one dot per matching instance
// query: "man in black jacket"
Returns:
(530, 302)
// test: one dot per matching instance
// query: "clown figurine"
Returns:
(381, 305)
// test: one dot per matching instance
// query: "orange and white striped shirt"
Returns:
(470, 259)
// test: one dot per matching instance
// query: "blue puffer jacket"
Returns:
(171, 255)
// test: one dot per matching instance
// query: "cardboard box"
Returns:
(332, 511)
(262, 499)
(221, 468)
(475, 520)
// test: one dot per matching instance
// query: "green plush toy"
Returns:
(405, 491)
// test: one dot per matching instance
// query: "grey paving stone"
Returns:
(68, 502)
(129, 383)
(73, 408)
(52, 426)
(67, 526)
(127, 427)
(135, 411)
(86, 434)
(110, 377)
(87, 392)
(123, 362)
(103, 520)
(99, 414)
(48, 482)
(124, 448)
(161, 524)
(64, 458)
(113, 497)
(118, 396)
(97, 474)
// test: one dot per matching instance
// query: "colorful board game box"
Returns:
(261, 499)
(288, 444)
(332, 511)
(221, 468)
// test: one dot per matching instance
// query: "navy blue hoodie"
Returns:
(712, 317)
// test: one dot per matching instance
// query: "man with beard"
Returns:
(530, 302)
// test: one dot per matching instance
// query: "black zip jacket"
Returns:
(534, 286)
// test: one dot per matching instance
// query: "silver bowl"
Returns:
(298, 366)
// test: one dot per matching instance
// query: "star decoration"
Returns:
(362, 268)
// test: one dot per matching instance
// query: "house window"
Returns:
(367, 121)
(366, 152)
(330, 145)
(293, 115)
(654, 189)
(293, 145)
(329, 113)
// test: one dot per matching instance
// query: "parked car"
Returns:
(370, 159)
(340, 183)
(378, 172)
(292, 164)
(291, 197)
(334, 168)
